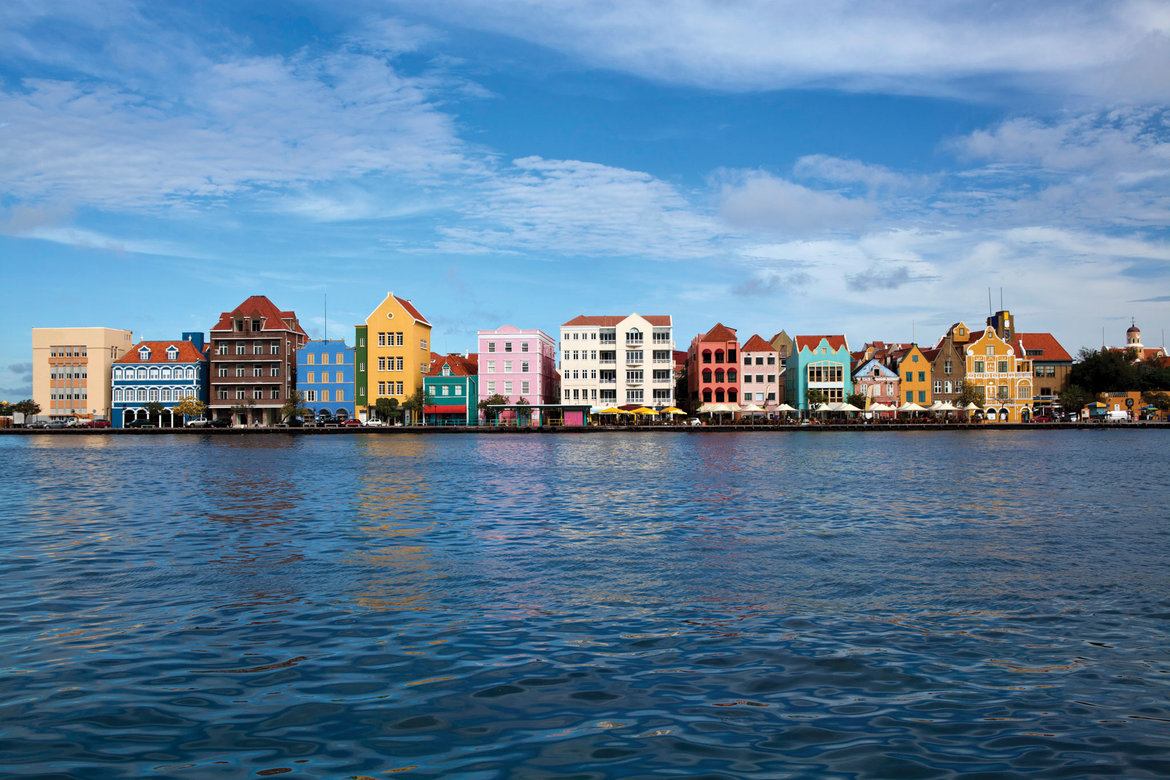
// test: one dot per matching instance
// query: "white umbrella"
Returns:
(880, 407)
(847, 407)
(944, 406)
(910, 406)
(751, 408)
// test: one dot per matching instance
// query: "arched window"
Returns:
(719, 375)
(154, 373)
(142, 373)
(719, 398)
(718, 356)
(732, 375)
(707, 396)
(165, 395)
(117, 372)
(142, 394)
(190, 372)
(707, 375)
(706, 356)
(166, 372)
(733, 395)
(154, 393)
(118, 394)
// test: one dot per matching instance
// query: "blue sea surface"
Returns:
(722, 605)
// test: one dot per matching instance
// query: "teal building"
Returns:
(452, 391)
(818, 363)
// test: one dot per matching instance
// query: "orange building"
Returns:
(1005, 377)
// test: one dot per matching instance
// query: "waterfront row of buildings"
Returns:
(257, 356)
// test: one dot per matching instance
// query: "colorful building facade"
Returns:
(517, 364)
(759, 374)
(877, 382)
(915, 375)
(72, 370)
(253, 353)
(393, 353)
(1005, 377)
(326, 378)
(162, 372)
(713, 374)
(819, 363)
(452, 391)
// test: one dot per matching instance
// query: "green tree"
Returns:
(815, 397)
(1073, 399)
(415, 403)
(523, 411)
(1158, 399)
(492, 400)
(387, 409)
(1100, 371)
(28, 407)
(189, 407)
(294, 406)
(857, 399)
(969, 394)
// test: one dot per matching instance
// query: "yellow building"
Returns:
(914, 376)
(71, 370)
(1006, 378)
(397, 342)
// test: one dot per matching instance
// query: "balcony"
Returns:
(608, 362)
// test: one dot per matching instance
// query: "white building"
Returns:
(618, 360)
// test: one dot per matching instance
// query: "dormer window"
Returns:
(446, 371)
(172, 353)
(144, 353)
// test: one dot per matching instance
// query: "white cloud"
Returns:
(759, 201)
(1114, 50)
(571, 207)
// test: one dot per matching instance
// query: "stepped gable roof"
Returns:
(188, 352)
(720, 333)
(259, 307)
(608, 321)
(756, 344)
(1049, 347)
(836, 342)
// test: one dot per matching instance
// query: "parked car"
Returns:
(374, 423)
(1043, 418)
(96, 424)
(38, 424)
(199, 422)
(220, 422)
(57, 424)
(140, 424)
(352, 423)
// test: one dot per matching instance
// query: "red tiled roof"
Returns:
(608, 321)
(757, 344)
(460, 366)
(188, 353)
(811, 342)
(720, 333)
(1046, 342)
(413, 312)
(258, 306)
(931, 354)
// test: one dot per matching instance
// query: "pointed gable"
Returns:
(812, 343)
(756, 344)
(720, 333)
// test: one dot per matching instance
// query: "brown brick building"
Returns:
(254, 362)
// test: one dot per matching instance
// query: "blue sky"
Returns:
(868, 168)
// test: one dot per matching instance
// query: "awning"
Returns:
(445, 410)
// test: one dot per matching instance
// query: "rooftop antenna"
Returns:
(1001, 299)
(989, 312)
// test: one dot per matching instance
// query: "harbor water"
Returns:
(722, 605)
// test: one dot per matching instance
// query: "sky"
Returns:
(879, 169)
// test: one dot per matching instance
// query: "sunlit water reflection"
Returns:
(606, 606)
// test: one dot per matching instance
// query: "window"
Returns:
(909, 396)
(257, 349)
(361, 341)
(508, 388)
(275, 394)
(311, 396)
(258, 393)
(398, 340)
(914, 358)
(523, 366)
(274, 371)
(491, 346)
(524, 388)
(223, 394)
(938, 386)
(381, 364)
(223, 371)
(946, 366)
(991, 351)
(222, 349)
(921, 396)
(337, 377)
(978, 366)
(1003, 366)
(239, 371)
(309, 358)
(258, 371)
(381, 339)
(274, 349)
(257, 325)
(523, 346)
(324, 396)
(947, 386)
(381, 388)
(241, 349)
(508, 366)
(325, 359)
(1002, 393)
(491, 366)
(491, 389)
(508, 345)
(241, 394)
(311, 377)
(458, 389)
(634, 377)
(921, 376)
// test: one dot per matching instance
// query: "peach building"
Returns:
(71, 370)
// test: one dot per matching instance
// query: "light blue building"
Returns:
(325, 376)
(162, 372)
(818, 363)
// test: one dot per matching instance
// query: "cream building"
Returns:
(71, 370)
(616, 360)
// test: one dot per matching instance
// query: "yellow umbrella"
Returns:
(612, 410)
(672, 410)
(645, 410)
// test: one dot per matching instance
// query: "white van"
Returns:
(1116, 415)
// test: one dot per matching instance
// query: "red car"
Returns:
(96, 424)
(352, 423)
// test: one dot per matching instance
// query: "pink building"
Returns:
(517, 364)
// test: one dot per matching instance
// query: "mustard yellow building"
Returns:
(393, 353)
(914, 375)
(1006, 378)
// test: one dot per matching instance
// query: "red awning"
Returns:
(445, 409)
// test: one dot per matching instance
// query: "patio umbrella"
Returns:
(672, 410)
(612, 410)
(910, 406)
(643, 410)
(847, 407)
